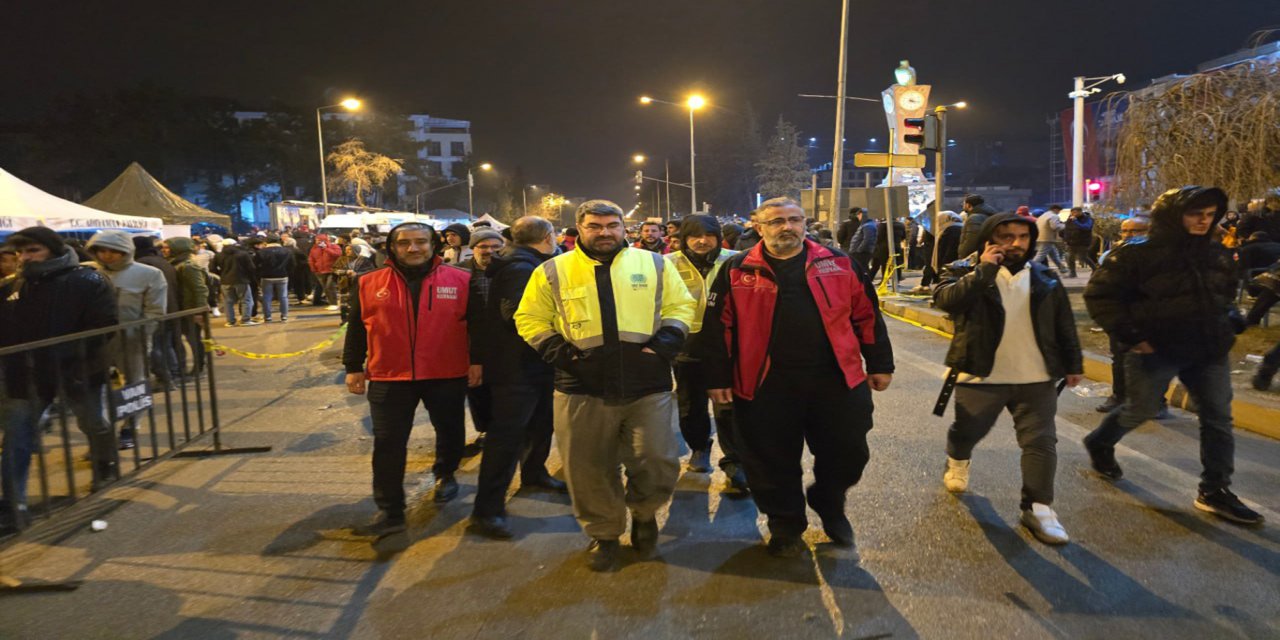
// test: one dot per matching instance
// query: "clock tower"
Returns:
(906, 99)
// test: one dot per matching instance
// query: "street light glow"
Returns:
(645, 99)
(350, 104)
(696, 102)
(638, 158)
(960, 105)
(486, 166)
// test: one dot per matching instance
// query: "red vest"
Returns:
(847, 313)
(430, 347)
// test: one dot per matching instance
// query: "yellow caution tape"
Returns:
(222, 349)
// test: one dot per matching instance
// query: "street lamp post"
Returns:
(837, 162)
(350, 104)
(693, 103)
(1083, 87)
(471, 185)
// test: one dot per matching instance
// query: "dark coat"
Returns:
(274, 262)
(972, 229)
(1258, 255)
(969, 295)
(506, 357)
(55, 299)
(1171, 289)
(235, 266)
(1078, 231)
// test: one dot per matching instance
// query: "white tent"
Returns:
(493, 222)
(22, 205)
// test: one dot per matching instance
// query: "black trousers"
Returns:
(695, 420)
(520, 432)
(392, 405)
(772, 429)
(480, 402)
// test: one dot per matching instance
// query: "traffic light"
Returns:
(926, 132)
(639, 177)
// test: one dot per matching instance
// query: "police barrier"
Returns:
(137, 392)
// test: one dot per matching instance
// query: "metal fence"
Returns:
(137, 392)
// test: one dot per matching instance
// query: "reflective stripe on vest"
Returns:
(696, 284)
(633, 272)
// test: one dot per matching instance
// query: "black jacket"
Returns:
(1078, 232)
(1258, 255)
(882, 239)
(1171, 289)
(968, 294)
(56, 298)
(235, 266)
(506, 357)
(972, 229)
(274, 262)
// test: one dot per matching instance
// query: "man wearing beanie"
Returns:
(457, 239)
(53, 295)
(698, 261)
(141, 293)
(485, 244)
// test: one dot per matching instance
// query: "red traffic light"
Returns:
(927, 137)
(1095, 186)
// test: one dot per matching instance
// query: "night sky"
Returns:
(552, 85)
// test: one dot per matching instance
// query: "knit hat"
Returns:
(39, 235)
(480, 235)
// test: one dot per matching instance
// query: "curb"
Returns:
(1247, 415)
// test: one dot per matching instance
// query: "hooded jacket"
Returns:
(1173, 290)
(146, 253)
(274, 261)
(1077, 231)
(461, 254)
(141, 291)
(234, 265)
(49, 299)
(969, 295)
(322, 255)
(506, 357)
(193, 283)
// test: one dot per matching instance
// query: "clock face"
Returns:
(911, 100)
(888, 103)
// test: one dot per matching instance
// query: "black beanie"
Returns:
(40, 235)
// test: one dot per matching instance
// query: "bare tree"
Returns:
(358, 171)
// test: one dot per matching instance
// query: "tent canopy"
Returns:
(22, 205)
(135, 192)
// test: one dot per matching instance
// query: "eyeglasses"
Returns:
(776, 223)
(597, 228)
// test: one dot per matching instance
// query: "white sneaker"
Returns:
(1043, 524)
(217, 313)
(956, 479)
(332, 307)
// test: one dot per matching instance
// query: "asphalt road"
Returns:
(258, 546)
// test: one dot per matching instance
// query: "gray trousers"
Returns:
(1033, 407)
(595, 437)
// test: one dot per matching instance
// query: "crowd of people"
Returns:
(763, 335)
(613, 345)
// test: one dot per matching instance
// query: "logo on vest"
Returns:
(639, 281)
(382, 294)
(446, 293)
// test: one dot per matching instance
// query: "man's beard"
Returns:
(1014, 263)
(783, 242)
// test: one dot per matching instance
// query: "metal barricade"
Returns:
(138, 392)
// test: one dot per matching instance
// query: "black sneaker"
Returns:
(838, 528)
(602, 556)
(1226, 505)
(383, 525)
(544, 482)
(644, 536)
(1262, 378)
(126, 441)
(1104, 462)
(786, 546)
(737, 477)
(446, 489)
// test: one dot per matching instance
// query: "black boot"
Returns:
(1262, 378)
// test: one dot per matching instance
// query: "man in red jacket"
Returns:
(788, 326)
(408, 339)
(323, 254)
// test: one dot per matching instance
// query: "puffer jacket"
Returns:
(1173, 290)
(969, 295)
(972, 229)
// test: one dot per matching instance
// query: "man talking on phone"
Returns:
(1015, 337)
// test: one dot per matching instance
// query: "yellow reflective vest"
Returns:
(562, 298)
(695, 283)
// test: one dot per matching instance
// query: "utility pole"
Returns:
(1077, 144)
(837, 162)
(940, 174)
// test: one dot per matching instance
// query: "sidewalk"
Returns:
(1257, 411)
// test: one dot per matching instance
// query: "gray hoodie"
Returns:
(141, 290)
